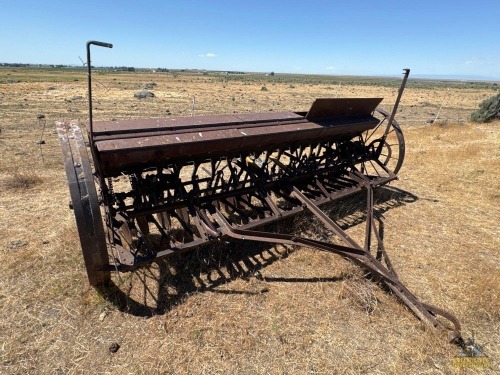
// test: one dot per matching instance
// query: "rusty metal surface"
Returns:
(198, 123)
(123, 145)
(119, 155)
(84, 201)
(328, 108)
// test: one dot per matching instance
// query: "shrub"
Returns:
(22, 180)
(263, 88)
(488, 110)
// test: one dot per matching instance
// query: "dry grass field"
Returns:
(246, 308)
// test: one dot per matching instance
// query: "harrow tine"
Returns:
(369, 219)
(163, 220)
(381, 253)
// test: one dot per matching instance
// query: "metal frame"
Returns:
(360, 255)
(174, 198)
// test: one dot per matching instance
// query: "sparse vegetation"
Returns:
(488, 110)
(22, 180)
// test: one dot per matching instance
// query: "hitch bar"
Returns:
(352, 251)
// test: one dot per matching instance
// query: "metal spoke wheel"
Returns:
(386, 143)
(85, 202)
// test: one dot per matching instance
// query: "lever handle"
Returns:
(102, 44)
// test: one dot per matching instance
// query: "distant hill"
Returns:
(456, 77)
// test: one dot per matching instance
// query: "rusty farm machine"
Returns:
(146, 189)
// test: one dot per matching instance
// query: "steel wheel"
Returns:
(386, 144)
(85, 202)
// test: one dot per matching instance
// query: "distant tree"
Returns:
(271, 74)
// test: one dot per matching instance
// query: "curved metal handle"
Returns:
(101, 44)
(89, 83)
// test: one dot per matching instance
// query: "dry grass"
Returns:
(22, 180)
(240, 307)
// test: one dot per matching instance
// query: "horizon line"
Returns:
(451, 77)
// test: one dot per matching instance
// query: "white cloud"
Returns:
(476, 60)
(209, 54)
(330, 68)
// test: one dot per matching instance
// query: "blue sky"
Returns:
(326, 37)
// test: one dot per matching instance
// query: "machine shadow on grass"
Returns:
(156, 289)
